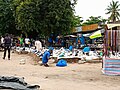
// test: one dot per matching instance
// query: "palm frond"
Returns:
(108, 12)
(118, 9)
(113, 9)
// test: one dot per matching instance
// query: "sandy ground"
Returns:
(86, 76)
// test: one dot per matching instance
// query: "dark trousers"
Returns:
(26, 45)
(5, 49)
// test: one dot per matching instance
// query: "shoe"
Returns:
(41, 64)
(8, 58)
(3, 58)
(46, 65)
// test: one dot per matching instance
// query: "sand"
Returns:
(87, 76)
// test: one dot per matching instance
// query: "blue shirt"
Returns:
(45, 57)
(50, 40)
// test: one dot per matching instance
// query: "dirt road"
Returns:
(73, 77)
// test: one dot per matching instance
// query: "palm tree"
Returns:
(113, 9)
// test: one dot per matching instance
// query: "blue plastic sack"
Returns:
(61, 63)
(86, 49)
(71, 48)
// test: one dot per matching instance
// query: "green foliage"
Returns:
(25, 16)
(94, 20)
(57, 16)
(77, 21)
(113, 9)
(39, 16)
(44, 16)
(7, 23)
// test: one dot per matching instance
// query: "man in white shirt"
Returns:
(2, 42)
(38, 45)
(27, 42)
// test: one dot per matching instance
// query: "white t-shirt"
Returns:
(38, 45)
(27, 40)
(2, 40)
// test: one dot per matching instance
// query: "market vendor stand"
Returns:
(111, 59)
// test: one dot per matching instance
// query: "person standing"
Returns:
(78, 42)
(21, 39)
(50, 40)
(2, 42)
(38, 45)
(7, 46)
(27, 42)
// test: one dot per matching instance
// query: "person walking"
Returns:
(7, 46)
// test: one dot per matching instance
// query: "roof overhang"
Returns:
(112, 25)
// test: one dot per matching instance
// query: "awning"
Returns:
(73, 36)
(96, 34)
(112, 25)
(87, 35)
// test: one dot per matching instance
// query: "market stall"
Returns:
(111, 59)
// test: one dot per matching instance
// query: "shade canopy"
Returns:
(112, 25)
(73, 36)
(96, 34)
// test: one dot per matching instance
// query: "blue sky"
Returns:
(87, 8)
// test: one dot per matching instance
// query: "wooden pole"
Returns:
(111, 37)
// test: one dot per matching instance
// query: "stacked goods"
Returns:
(111, 66)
